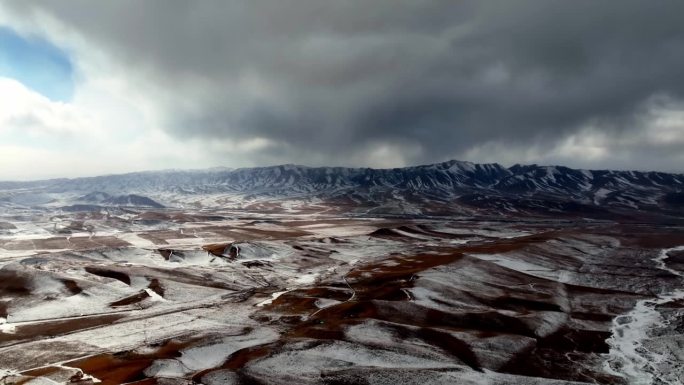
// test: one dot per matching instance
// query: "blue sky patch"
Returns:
(37, 63)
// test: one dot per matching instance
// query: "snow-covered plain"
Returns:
(143, 296)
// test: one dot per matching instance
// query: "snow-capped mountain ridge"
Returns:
(447, 175)
(448, 183)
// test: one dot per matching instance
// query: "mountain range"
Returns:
(453, 187)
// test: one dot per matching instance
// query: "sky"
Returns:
(91, 88)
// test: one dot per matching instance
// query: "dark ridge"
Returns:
(95, 196)
(149, 222)
(251, 264)
(481, 321)
(216, 249)
(330, 240)
(156, 287)
(186, 277)
(523, 304)
(385, 232)
(361, 375)
(72, 286)
(435, 233)
(411, 230)
(130, 300)
(147, 381)
(256, 222)
(50, 329)
(450, 344)
(443, 340)
(14, 283)
(675, 199)
(339, 294)
(133, 200)
(675, 256)
(3, 309)
(606, 318)
(82, 207)
(7, 226)
(553, 357)
(211, 218)
(166, 253)
(507, 245)
(108, 273)
(152, 216)
(574, 340)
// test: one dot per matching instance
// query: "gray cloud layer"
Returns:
(328, 81)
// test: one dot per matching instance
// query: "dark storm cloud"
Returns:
(319, 78)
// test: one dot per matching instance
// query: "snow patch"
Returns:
(6, 328)
(323, 303)
(274, 296)
(306, 279)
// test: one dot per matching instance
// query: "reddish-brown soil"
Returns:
(48, 329)
(126, 367)
(215, 249)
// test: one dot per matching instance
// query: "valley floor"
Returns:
(137, 298)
